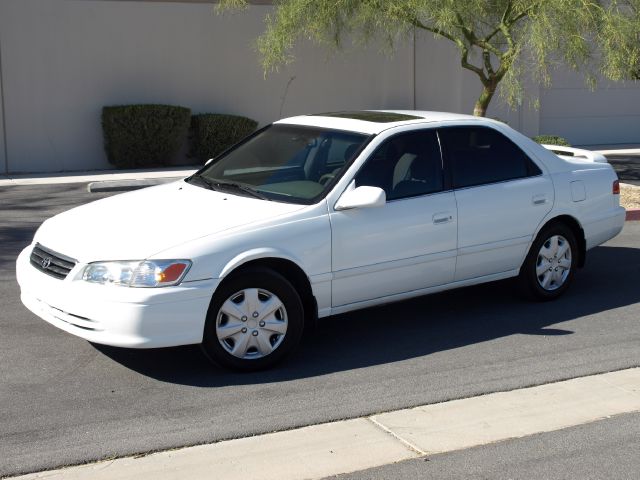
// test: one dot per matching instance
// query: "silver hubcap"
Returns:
(554, 263)
(251, 323)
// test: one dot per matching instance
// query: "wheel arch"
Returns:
(286, 266)
(577, 230)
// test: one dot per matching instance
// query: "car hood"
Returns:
(139, 224)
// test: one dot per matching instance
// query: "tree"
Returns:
(498, 40)
(621, 35)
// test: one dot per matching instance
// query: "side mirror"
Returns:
(362, 197)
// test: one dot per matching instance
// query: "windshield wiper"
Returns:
(238, 186)
(220, 185)
(203, 180)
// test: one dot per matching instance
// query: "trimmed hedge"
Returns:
(144, 135)
(214, 133)
(551, 140)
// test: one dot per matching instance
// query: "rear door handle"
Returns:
(439, 218)
(539, 199)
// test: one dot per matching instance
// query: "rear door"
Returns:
(501, 194)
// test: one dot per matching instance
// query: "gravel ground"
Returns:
(629, 196)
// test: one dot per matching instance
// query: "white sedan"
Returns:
(317, 215)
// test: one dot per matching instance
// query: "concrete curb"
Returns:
(127, 185)
(96, 176)
(633, 215)
(623, 152)
(327, 449)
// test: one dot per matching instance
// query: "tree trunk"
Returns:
(482, 104)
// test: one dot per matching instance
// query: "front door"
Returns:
(409, 243)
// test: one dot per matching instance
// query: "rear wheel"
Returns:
(550, 265)
(255, 319)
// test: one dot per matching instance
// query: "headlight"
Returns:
(147, 273)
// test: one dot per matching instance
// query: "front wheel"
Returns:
(551, 263)
(255, 319)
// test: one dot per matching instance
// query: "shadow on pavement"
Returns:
(413, 328)
(13, 240)
(23, 209)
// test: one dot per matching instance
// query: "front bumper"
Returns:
(114, 315)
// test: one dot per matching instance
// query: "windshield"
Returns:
(289, 163)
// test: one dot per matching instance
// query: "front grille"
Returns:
(50, 262)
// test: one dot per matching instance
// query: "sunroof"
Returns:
(376, 117)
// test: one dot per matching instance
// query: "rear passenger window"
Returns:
(480, 155)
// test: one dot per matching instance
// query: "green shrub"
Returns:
(143, 135)
(214, 133)
(551, 140)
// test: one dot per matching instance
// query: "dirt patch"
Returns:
(629, 196)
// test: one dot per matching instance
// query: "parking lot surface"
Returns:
(64, 400)
(627, 168)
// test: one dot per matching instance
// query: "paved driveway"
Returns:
(627, 168)
(64, 400)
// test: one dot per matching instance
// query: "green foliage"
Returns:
(214, 133)
(501, 41)
(621, 41)
(551, 140)
(143, 135)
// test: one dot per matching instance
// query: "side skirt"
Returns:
(416, 293)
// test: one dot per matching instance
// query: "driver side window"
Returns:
(406, 165)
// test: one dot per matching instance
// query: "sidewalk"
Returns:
(347, 446)
(96, 176)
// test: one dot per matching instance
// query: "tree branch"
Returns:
(505, 16)
(464, 49)
(507, 12)
(486, 57)
(464, 62)
(473, 39)
(418, 24)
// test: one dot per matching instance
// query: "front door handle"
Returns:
(440, 218)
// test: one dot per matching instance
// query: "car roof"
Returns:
(373, 121)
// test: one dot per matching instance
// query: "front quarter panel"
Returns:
(303, 238)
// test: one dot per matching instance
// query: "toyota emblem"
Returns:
(45, 262)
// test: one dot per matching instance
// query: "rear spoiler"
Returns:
(571, 153)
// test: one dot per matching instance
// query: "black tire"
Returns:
(268, 282)
(529, 280)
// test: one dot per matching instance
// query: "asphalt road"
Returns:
(627, 168)
(604, 450)
(64, 400)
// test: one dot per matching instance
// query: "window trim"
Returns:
(533, 169)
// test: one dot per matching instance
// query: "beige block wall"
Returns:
(610, 114)
(62, 60)
(4, 167)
